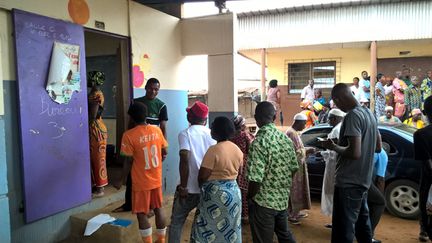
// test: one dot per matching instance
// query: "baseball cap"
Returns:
(198, 109)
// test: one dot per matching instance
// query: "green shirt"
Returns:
(157, 110)
(413, 98)
(426, 88)
(271, 162)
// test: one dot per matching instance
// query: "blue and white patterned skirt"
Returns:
(218, 215)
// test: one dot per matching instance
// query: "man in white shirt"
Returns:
(308, 92)
(364, 86)
(355, 88)
(330, 157)
(193, 144)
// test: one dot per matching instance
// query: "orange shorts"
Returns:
(143, 201)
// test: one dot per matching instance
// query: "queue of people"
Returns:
(232, 177)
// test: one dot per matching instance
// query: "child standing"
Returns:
(144, 147)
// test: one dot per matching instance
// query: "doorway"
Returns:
(110, 54)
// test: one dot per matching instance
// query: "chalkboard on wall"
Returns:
(54, 137)
(106, 64)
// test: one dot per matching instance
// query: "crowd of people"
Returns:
(398, 98)
(234, 178)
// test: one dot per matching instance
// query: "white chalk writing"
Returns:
(61, 130)
(47, 109)
(49, 32)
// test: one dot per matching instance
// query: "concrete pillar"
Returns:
(373, 73)
(222, 86)
(263, 74)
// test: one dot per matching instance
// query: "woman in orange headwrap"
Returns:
(307, 108)
(98, 133)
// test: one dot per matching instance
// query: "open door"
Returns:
(54, 136)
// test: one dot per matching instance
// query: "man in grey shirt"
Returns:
(356, 148)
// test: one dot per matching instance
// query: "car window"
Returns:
(309, 138)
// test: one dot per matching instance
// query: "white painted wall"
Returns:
(157, 35)
(114, 13)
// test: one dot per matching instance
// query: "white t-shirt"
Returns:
(196, 139)
(334, 134)
(356, 92)
(308, 93)
(363, 94)
(388, 89)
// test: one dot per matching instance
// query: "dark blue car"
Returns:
(403, 172)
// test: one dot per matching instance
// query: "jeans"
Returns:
(425, 220)
(180, 211)
(376, 205)
(350, 215)
(264, 222)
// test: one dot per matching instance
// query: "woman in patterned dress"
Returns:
(98, 133)
(242, 139)
(218, 215)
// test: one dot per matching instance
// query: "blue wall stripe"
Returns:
(177, 102)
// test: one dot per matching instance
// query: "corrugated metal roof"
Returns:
(336, 23)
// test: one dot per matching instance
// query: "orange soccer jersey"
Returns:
(144, 143)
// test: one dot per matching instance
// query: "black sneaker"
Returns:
(423, 237)
(376, 241)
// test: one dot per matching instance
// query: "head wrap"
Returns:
(96, 78)
(239, 122)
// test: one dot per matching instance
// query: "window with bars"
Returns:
(323, 73)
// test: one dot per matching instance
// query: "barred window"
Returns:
(323, 73)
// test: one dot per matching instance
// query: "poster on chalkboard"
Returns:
(64, 76)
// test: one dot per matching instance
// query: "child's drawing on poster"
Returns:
(64, 76)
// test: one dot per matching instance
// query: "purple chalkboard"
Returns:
(54, 137)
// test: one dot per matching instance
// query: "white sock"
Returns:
(161, 231)
(146, 232)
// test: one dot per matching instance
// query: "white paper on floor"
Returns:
(96, 222)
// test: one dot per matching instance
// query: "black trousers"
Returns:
(426, 220)
(127, 206)
(376, 204)
(265, 222)
(350, 215)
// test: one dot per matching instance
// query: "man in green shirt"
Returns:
(426, 86)
(271, 164)
(406, 76)
(157, 110)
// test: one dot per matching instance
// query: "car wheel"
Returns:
(403, 199)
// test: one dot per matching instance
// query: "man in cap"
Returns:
(389, 117)
(415, 120)
(335, 120)
(330, 157)
(193, 144)
(300, 195)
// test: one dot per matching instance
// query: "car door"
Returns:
(401, 163)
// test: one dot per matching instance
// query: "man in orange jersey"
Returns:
(144, 147)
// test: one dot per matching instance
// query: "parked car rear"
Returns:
(402, 175)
